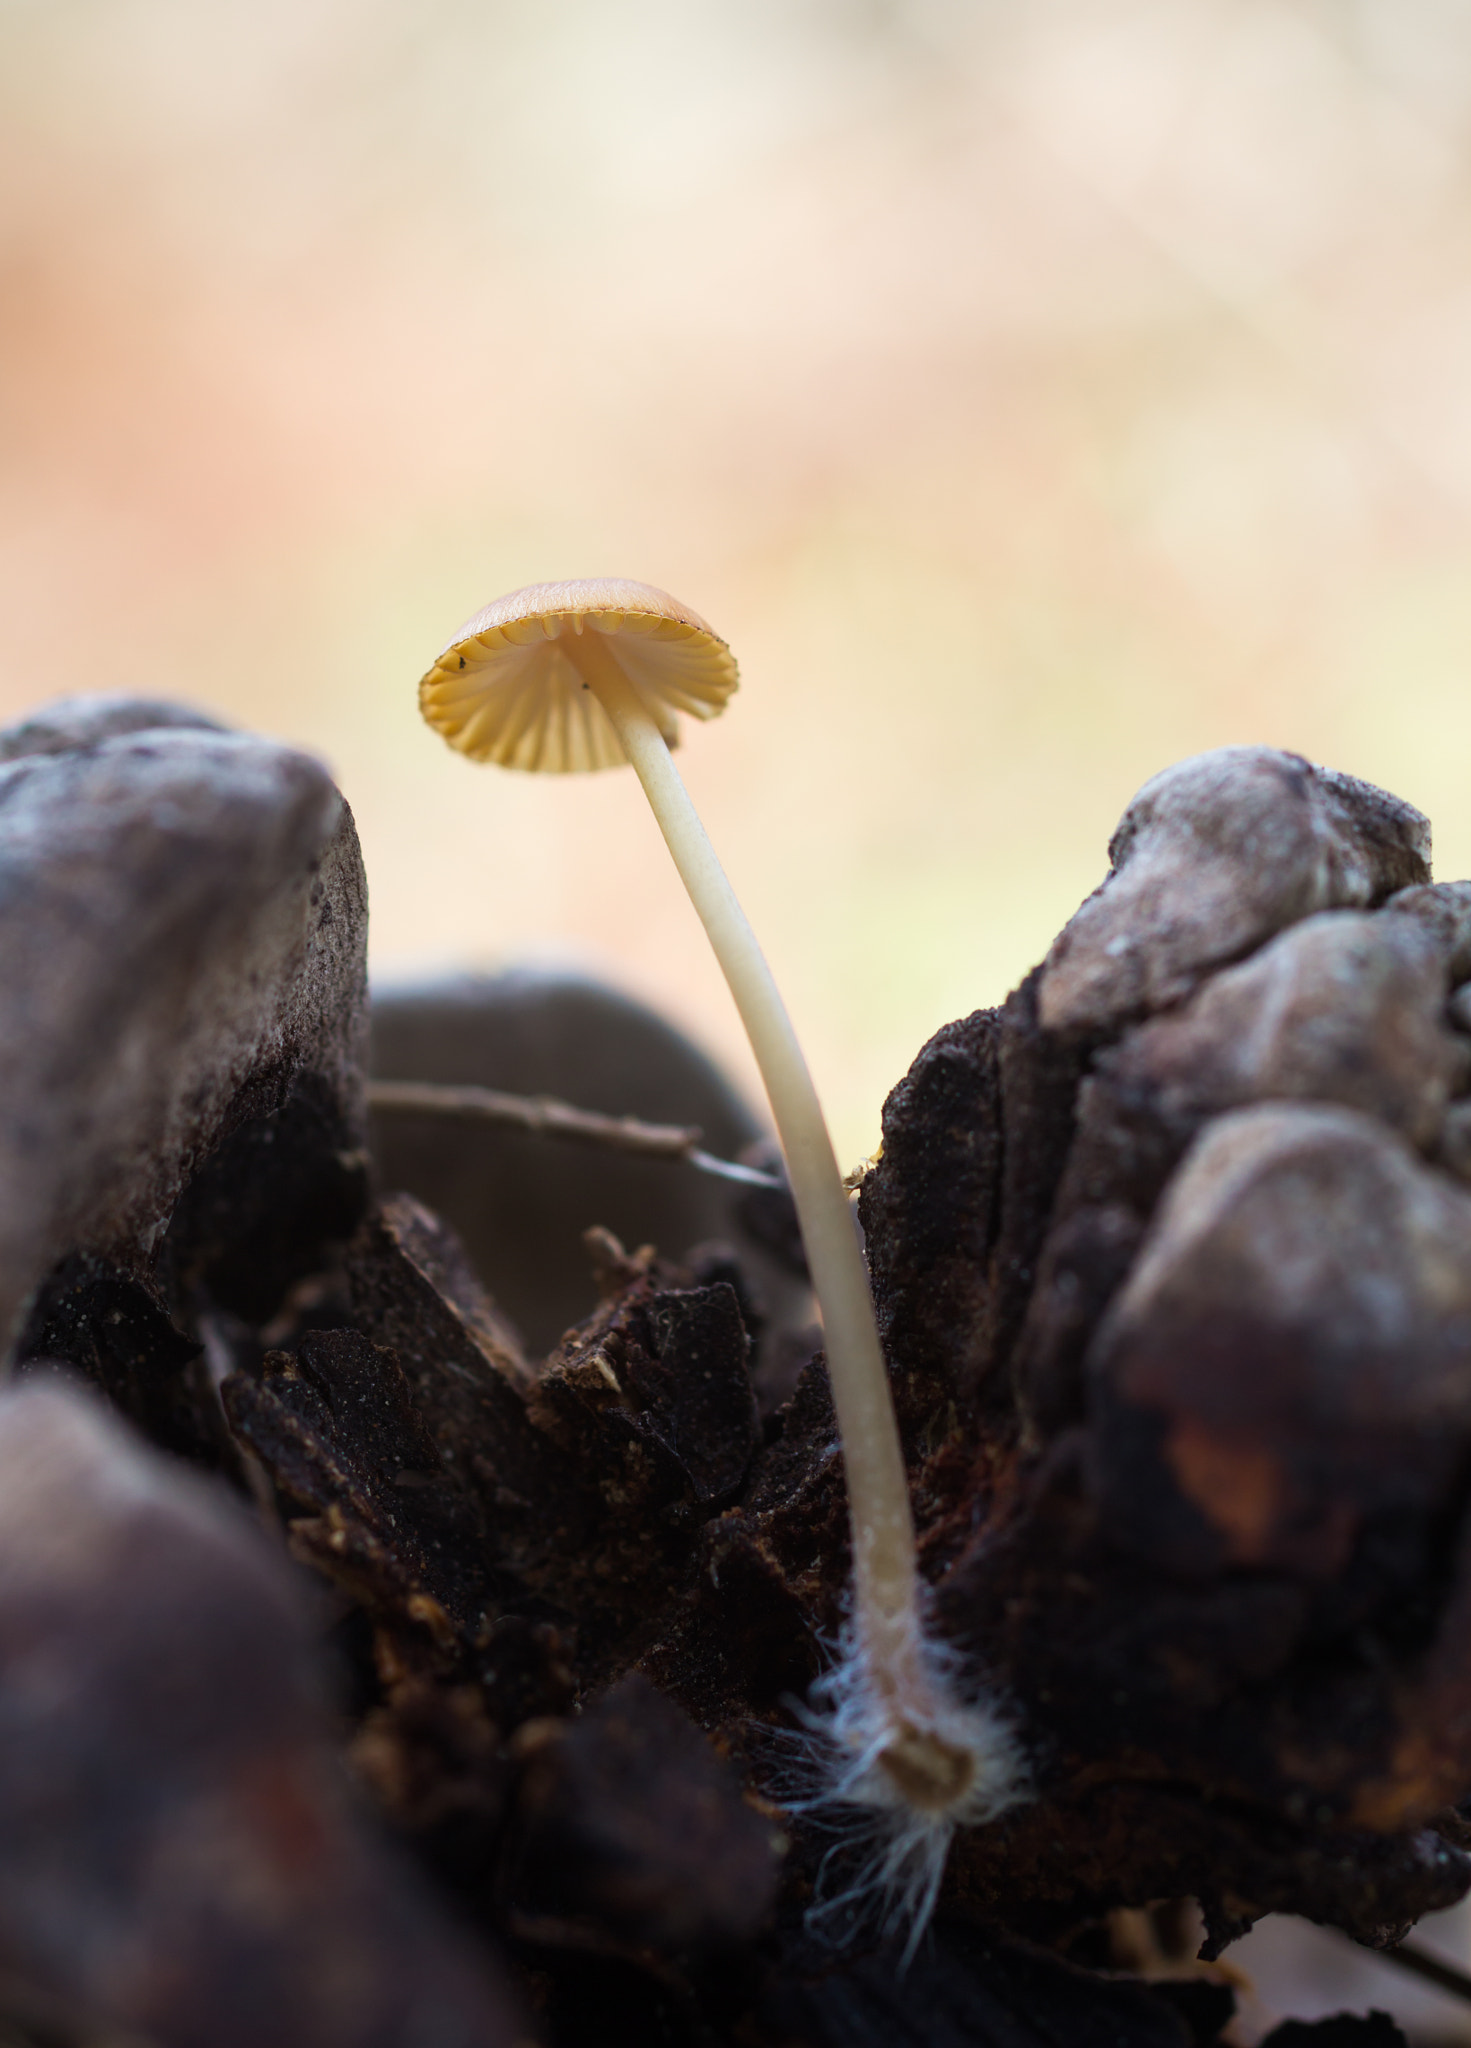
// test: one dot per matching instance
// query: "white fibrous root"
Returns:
(892, 1780)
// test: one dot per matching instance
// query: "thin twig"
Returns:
(1434, 1969)
(547, 1117)
(543, 1114)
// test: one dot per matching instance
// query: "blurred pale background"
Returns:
(1033, 392)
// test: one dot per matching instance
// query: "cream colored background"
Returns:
(1034, 392)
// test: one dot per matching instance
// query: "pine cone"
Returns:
(1172, 1255)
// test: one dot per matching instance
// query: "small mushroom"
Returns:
(589, 674)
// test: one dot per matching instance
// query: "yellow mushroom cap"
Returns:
(510, 687)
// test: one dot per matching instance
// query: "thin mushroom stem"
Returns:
(927, 1770)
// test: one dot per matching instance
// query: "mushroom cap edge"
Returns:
(507, 688)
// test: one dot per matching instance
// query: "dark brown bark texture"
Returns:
(1174, 1254)
(452, 1696)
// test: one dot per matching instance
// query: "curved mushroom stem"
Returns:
(926, 1770)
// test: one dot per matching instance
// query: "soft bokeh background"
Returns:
(1033, 391)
